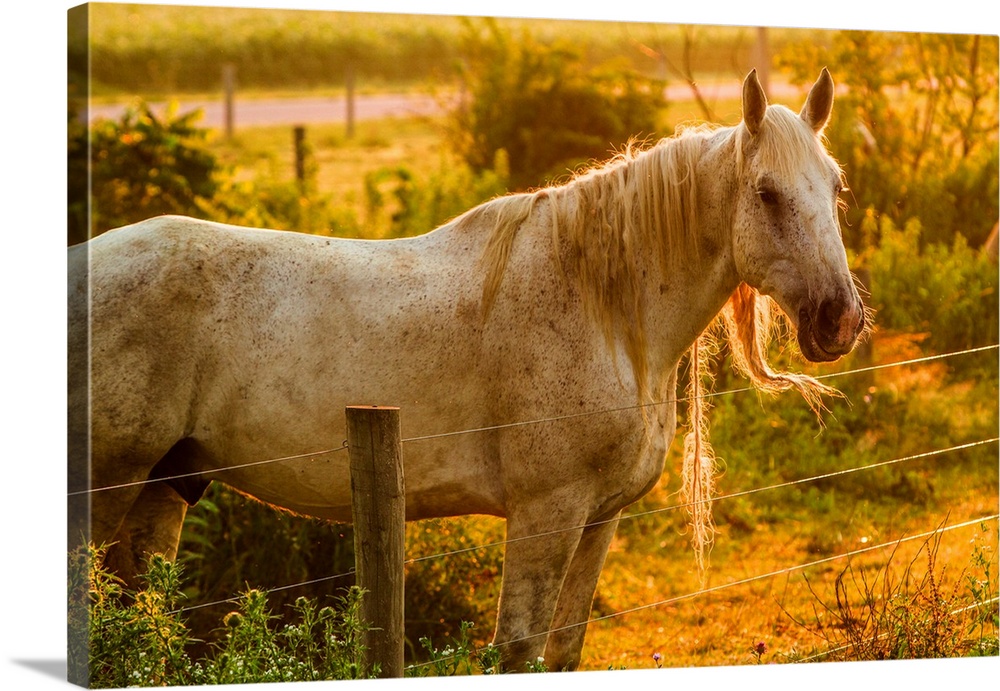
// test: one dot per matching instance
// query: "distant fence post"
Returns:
(378, 512)
(299, 136)
(229, 87)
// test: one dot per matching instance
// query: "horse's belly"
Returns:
(441, 478)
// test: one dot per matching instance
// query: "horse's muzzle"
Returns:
(830, 330)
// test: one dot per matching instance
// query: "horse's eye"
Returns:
(768, 196)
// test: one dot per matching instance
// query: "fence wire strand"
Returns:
(682, 399)
(200, 473)
(731, 495)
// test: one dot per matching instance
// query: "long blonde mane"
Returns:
(642, 200)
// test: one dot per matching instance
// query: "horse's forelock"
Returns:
(785, 144)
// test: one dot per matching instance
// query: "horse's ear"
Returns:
(819, 102)
(754, 102)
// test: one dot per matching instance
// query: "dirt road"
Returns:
(307, 110)
(291, 111)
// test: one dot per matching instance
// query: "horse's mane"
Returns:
(645, 200)
(639, 200)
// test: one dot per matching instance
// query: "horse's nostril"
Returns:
(828, 317)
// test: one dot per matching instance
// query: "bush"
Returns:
(228, 542)
(457, 584)
(881, 617)
(271, 202)
(145, 165)
(400, 205)
(542, 107)
(948, 292)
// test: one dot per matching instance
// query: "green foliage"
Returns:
(136, 639)
(229, 541)
(400, 205)
(324, 644)
(268, 201)
(146, 165)
(461, 657)
(164, 49)
(981, 583)
(78, 175)
(915, 129)
(540, 105)
(141, 638)
(948, 292)
(462, 586)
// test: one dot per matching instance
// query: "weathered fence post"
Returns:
(299, 139)
(378, 512)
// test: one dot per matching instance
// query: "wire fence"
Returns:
(524, 423)
(743, 493)
(626, 517)
(747, 581)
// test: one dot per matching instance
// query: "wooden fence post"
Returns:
(378, 512)
(299, 139)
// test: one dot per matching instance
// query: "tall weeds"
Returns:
(913, 613)
(139, 638)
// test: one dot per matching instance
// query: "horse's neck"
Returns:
(689, 293)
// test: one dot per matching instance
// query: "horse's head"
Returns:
(786, 232)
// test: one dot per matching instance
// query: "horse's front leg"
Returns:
(577, 596)
(533, 572)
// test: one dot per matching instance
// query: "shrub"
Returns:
(911, 615)
(145, 165)
(542, 107)
(948, 292)
(461, 585)
(228, 541)
(399, 205)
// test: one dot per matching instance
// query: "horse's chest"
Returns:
(634, 468)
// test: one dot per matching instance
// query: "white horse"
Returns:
(199, 347)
